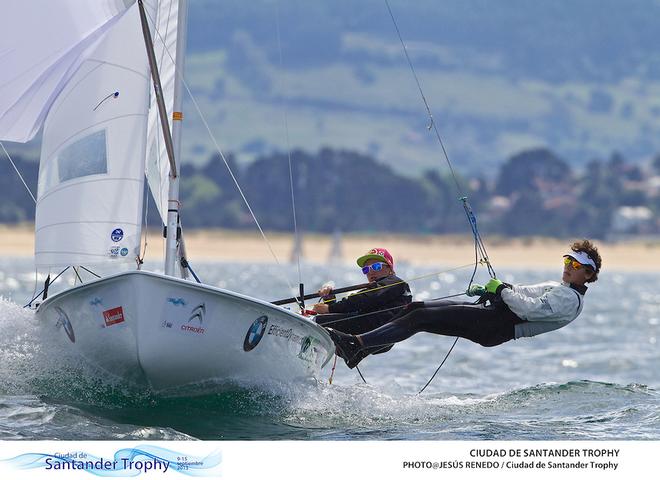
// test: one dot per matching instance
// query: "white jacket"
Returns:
(546, 306)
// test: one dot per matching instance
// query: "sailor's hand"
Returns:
(321, 308)
(476, 290)
(325, 290)
(495, 286)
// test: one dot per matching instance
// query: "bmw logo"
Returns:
(255, 332)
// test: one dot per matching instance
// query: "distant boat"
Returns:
(80, 71)
(336, 254)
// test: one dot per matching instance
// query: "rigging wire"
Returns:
(426, 104)
(480, 248)
(19, 173)
(433, 126)
(90, 272)
(222, 155)
(29, 304)
(298, 248)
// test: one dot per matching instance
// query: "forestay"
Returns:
(91, 175)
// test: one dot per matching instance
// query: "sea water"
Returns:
(597, 378)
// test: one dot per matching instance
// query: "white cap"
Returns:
(583, 258)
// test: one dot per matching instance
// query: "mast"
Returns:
(173, 149)
(172, 255)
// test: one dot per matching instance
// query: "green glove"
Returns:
(476, 290)
(495, 286)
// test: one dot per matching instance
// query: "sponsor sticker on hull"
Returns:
(255, 333)
(113, 316)
(184, 316)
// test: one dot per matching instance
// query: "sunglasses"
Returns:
(376, 267)
(575, 264)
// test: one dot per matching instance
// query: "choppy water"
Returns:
(598, 378)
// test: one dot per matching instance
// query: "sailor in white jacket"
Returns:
(506, 311)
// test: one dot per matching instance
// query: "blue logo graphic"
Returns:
(254, 334)
(124, 252)
(117, 234)
(176, 301)
(96, 301)
(127, 462)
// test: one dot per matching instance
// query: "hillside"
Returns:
(580, 78)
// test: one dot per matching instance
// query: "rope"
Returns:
(360, 372)
(19, 173)
(332, 372)
(353, 317)
(413, 279)
(222, 155)
(439, 367)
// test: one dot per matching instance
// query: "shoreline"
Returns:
(230, 245)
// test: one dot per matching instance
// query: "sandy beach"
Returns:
(227, 245)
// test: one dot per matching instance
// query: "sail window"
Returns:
(87, 156)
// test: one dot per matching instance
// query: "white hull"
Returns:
(164, 333)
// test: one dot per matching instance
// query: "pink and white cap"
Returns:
(376, 254)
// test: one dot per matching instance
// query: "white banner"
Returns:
(348, 460)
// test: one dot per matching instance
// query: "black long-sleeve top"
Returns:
(383, 294)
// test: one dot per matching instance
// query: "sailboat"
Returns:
(103, 80)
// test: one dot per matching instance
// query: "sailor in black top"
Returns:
(372, 307)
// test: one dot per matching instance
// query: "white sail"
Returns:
(91, 175)
(42, 43)
(165, 47)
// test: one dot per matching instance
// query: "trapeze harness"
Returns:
(523, 311)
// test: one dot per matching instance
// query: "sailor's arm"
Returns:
(555, 304)
(535, 290)
(373, 298)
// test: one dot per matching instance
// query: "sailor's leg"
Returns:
(487, 326)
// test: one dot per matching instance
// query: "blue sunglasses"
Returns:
(376, 267)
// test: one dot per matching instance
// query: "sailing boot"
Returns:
(348, 347)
